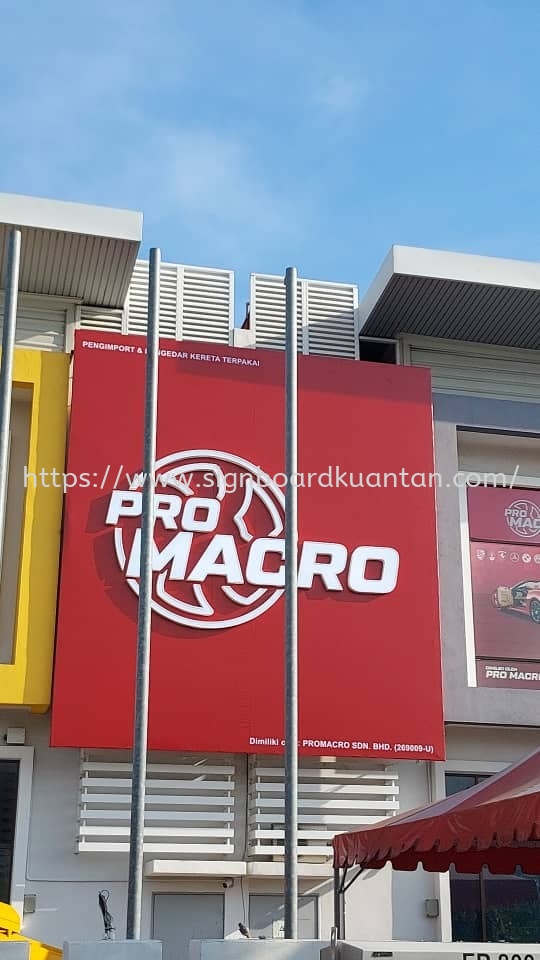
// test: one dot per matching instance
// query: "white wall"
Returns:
(379, 906)
(66, 884)
(410, 890)
(491, 744)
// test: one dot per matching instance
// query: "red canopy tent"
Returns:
(495, 824)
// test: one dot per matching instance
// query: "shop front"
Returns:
(369, 653)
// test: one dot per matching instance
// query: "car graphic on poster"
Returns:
(523, 598)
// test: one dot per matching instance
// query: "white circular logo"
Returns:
(523, 518)
(210, 507)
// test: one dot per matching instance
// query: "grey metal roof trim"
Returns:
(73, 250)
(454, 296)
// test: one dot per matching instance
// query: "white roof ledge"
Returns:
(223, 869)
(306, 869)
(74, 250)
(195, 868)
(455, 296)
(466, 267)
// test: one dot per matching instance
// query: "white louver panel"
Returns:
(208, 304)
(41, 327)
(96, 319)
(332, 798)
(327, 315)
(196, 303)
(189, 808)
(267, 311)
(137, 302)
(332, 319)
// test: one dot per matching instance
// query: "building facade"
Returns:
(214, 842)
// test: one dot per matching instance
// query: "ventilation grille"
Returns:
(40, 327)
(189, 808)
(332, 798)
(477, 370)
(208, 304)
(110, 320)
(331, 314)
(327, 315)
(137, 302)
(267, 311)
(195, 303)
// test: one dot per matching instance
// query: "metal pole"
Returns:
(140, 724)
(6, 370)
(291, 610)
(337, 902)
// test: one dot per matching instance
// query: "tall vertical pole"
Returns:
(337, 902)
(291, 610)
(6, 370)
(140, 724)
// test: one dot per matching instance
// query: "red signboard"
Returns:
(504, 513)
(506, 585)
(369, 645)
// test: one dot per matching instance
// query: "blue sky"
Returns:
(255, 135)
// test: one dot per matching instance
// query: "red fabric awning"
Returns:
(494, 824)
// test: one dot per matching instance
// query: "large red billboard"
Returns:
(504, 528)
(369, 643)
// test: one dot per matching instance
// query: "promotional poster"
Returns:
(369, 651)
(506, 585)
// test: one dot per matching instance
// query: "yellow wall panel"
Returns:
(27, 680)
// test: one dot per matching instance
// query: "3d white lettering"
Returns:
(123, 503)
(206, 524)
(220, 559)
(387, 556)
(311, 566)
(264, 563)
(166, 509)
(255, 572)
(209, 565)
(176, 552)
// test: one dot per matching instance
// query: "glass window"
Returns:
(492, 908)
(9, 780)
(462, 781)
